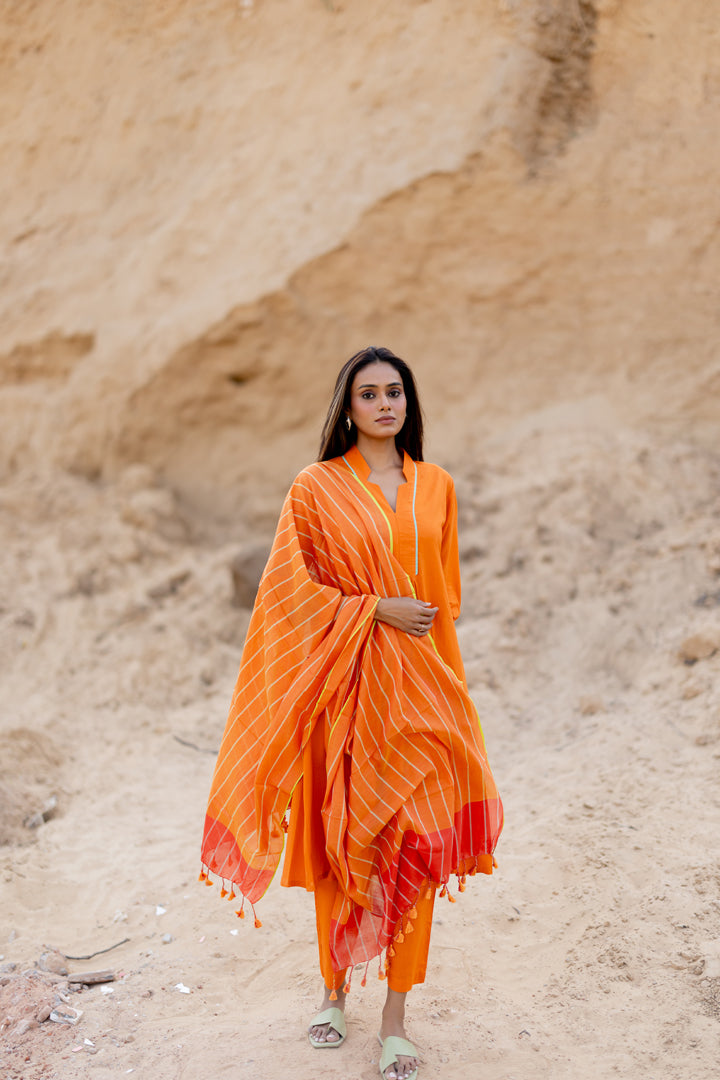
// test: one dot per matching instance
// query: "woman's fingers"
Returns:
(423, 623)
(406, 613)
(424, 619)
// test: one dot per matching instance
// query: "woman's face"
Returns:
(377, 401)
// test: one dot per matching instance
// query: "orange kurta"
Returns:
(369, 730)
(423, 528)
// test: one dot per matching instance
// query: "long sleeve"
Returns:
(449, 551)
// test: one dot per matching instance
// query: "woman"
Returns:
(351, 707)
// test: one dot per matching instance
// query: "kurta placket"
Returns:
(424, 532)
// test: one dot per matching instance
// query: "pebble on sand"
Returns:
(700, 646)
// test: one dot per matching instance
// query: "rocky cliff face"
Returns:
(208, 207)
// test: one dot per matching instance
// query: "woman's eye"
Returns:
(394, 393)
(368, 395)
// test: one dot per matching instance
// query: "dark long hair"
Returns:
(336, 439)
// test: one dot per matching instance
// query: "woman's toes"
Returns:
(324, 1034)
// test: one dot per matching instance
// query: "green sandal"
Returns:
(336, 1019)
(392, 1049)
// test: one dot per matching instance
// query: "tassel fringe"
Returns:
(399, 937)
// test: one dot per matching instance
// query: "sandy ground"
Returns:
(591, 558)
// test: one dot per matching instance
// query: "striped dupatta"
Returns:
(409, 795)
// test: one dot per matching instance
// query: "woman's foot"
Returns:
(326, 1033)
(393, 1023)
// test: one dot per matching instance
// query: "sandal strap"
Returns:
(393, 1047)
(334, 1017)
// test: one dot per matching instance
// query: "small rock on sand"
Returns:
(53, 961)
(590, 705)
(23, 1026)
(700, 646)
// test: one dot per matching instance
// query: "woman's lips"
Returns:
(385, 420)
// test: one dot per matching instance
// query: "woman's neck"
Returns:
(380, 454)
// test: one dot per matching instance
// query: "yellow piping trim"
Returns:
(368, 492)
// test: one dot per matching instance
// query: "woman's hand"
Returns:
(406, 613)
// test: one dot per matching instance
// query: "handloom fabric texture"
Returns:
(370, 731)
(406, 962)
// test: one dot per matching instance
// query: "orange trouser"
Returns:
(405, 968)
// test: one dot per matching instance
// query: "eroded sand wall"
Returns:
(213, 206)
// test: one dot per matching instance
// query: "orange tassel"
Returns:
(333, 996)
(346, 988)
(258, 924)
(409, 929)
(443, 891)
(391, 951)
(240, 913)
(412, 913)
(363, 981)
(202, 876)
(461, 887)
(428, 894)
(231, 896)
(494, 862)
(451, 898)
(209, 883)
(400, 938)
(223, 893)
